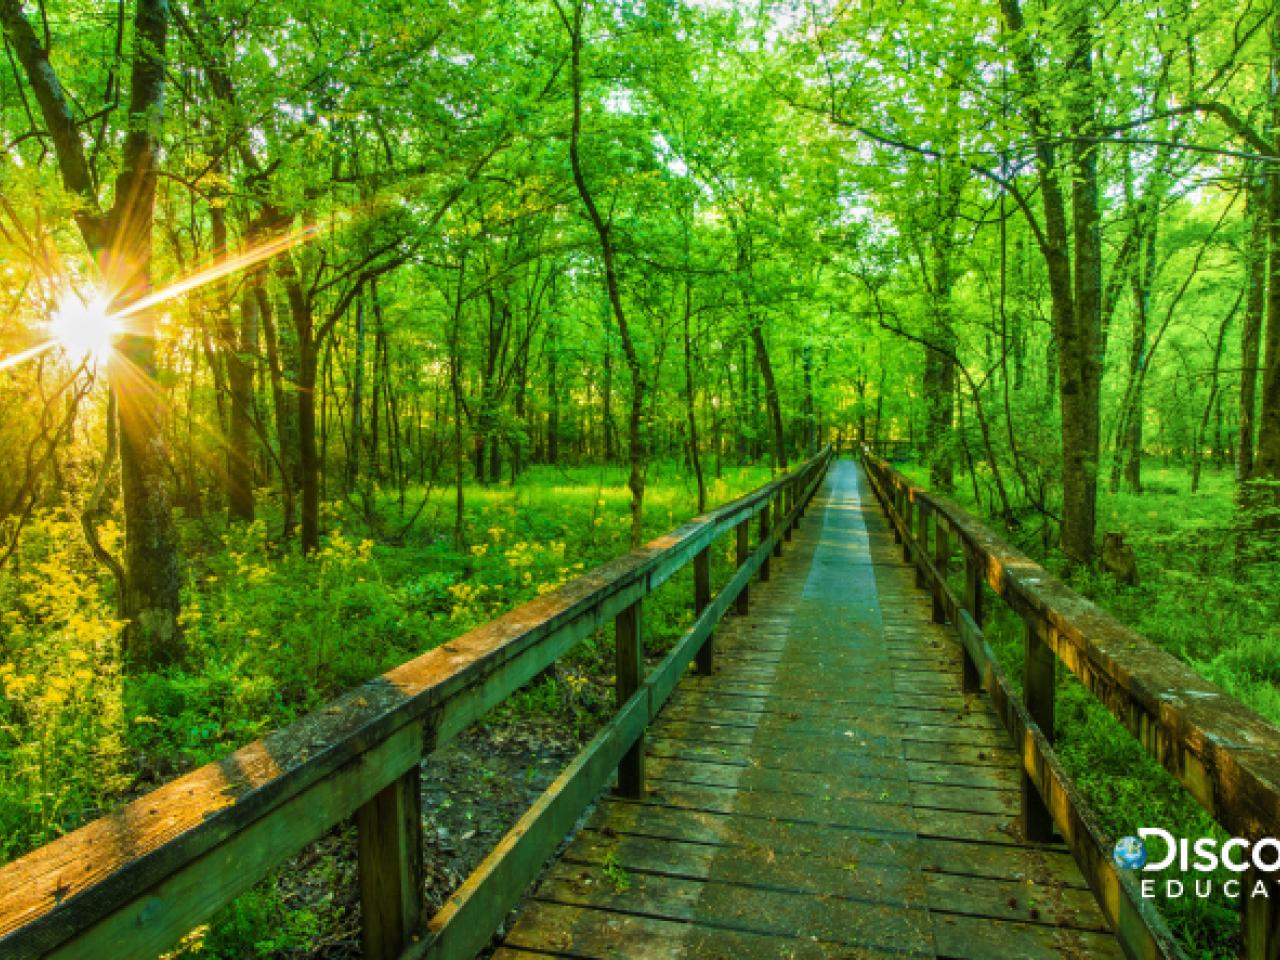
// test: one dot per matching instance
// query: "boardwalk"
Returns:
(829, 792)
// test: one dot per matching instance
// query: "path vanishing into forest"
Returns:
(848, 770)
(830, 791)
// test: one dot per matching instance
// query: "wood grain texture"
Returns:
(63, 895)
(1226, 755)
(827, 792)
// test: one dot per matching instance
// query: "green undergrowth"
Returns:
(271, 635)
(1207, 593)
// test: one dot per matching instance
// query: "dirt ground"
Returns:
(474, 789)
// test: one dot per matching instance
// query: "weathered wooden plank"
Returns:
(845, 783)
(838, 866)
(934, 751)
(827, 808)
(1001, 861)
(981, 938)
(586, 932)
(1024, 901)
(98, 872)
(1227, 756)
(151, 920)
(828, 919)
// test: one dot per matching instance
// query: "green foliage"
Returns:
(271, 634)
(63, 728)
(1215, 607)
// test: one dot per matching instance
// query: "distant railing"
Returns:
(133, 883)
(894, 450)
(1227, 756)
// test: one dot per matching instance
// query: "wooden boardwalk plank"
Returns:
(830, 791)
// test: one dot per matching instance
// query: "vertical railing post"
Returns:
(1259, 919)
(1039, 673)
(779, 518)
(908, 507)
(629, 672)
(895, 498)
(743, 536)
(973, 603)
(389, 856)
(941, 560)
(701, 600)
(789, 498)
(764, 537)
(922, 540)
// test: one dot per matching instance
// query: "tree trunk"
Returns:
(635, 421)
(553, 395)
(1212, 402)
(284, 411)
(1267, 456)
(772, 404)
(691, 412)
(357, 401)
(1255, 307)
(121, 242)
(1076, 302)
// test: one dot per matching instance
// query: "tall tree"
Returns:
(119, 238)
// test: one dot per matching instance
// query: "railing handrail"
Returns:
(127, 870)
(1225, 754)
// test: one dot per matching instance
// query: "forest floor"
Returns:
(1208, 591)
(271, 636)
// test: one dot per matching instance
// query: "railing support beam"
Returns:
(908, 508)
(1039, 690)
(389, 853)
(973, 602)
(742, 534)
(1259, 918)
(764, 535)
(941, 561)
(701, 600)
(789, 499)
(629, 673)
(922, 541)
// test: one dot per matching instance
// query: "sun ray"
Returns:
(25, 355)
(220, 269)
(84, 327)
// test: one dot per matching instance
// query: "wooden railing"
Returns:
(889, 449)
(133, 883)
(1227, 756)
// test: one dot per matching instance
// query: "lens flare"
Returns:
(84, 327)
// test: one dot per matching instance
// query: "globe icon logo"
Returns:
(1130, 853)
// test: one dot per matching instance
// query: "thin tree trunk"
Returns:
(691, 412)
(1255, 307)
(635, 425)
(1212, 402)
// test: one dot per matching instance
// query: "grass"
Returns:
(1206, 594)
(271, 635)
